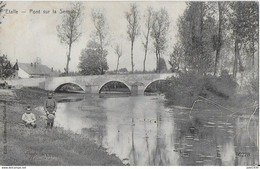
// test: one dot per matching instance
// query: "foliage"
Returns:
(223, 86)
(118, 52)
(160, 28)
(176, 58)
(91, 60)
(6, 69)
(101, 29)
(244, 20)
(162, 65)
(244, 23)
(253, 88)
(123, 70)
(2, 5)
(74, 73)
(133, 28)
(68, 31)
(187, 88)
(196, 29)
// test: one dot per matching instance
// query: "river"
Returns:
(141, 130)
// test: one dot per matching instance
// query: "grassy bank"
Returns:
(41, 146)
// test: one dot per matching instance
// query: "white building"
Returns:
(32, 70)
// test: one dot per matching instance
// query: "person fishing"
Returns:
(50, 107)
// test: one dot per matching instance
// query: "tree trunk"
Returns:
(236, 58)
(201, 53)
(145, 53)
(68, 60)
(132, 58)
(157, 60)
(146, 48)
(219, 40)
(253, 55)
(117, 65)
(101, 58)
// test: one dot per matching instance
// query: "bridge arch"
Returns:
(68, 83)
(111, 81)
(156, 80)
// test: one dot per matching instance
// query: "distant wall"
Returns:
(27, 82)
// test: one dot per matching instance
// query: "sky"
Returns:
(27, 35)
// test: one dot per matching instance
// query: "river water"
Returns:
(141, 130)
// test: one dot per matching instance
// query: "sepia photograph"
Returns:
(129, 83)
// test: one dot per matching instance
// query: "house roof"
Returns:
(15, 67)
(37, 69)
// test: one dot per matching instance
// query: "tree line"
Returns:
(93, 59)
(212, 37)
(217, 36)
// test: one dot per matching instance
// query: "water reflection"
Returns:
(142, 131)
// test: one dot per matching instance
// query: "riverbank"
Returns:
(41, 146)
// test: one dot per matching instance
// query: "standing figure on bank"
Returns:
(29, 118)
(50, 107)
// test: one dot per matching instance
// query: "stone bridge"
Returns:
(137, 83)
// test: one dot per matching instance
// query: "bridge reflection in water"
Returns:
(142, 131)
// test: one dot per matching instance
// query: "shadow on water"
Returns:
(64, 100)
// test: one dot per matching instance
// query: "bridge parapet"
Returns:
(137, 83)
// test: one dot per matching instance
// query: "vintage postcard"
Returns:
(139, 83)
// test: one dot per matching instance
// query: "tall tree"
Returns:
(133, 28)
(91, 60)
(6, 69)
(244, 23)
(196, 29)
(218, 41)
(100, 33)
(118, 52)
(159, 32)
(69, 30)
(148, 26)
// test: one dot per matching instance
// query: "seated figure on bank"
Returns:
(29, 118)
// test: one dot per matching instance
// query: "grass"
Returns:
(41, 146)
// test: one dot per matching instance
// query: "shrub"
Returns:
(223, 86)
(184, 89)
(253, 88)
(188, 86)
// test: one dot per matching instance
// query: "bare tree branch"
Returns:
(133, 28)
(68, 30)
(160, 27)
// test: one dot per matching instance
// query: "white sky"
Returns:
(25, 36)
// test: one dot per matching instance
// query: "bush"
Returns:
(186, 88)
(223, 86)
(253, 88)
